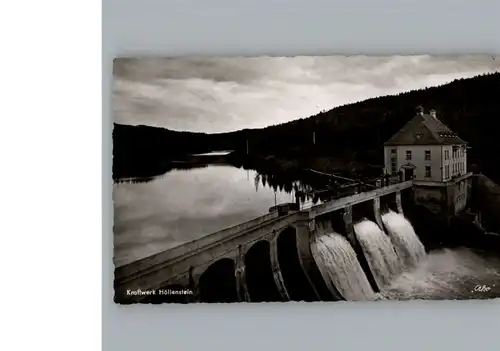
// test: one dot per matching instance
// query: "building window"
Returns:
(427, 171)
(427, 155)
(393, 166)
(446, 154)
(447, 172)
(393, 151)
(408, 154)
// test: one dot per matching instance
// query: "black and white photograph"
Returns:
(307, 178)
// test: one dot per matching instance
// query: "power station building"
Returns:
(426, 151)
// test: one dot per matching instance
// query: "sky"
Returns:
(215, 95)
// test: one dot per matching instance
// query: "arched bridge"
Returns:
(265, 259)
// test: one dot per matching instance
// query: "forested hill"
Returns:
(470, 107)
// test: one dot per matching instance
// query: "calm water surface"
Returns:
(184, 205)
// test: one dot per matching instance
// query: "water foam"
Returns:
(379, 252)
(400, 265)
(337, 259)
(408, 246)
(448, 274)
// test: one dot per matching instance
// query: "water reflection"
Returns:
(156, 213)
(305, 188)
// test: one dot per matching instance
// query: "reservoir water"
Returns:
(183, 205)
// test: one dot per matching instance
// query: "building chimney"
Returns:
(420, 110)
(432, 113)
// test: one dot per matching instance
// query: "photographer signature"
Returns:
(483, 288)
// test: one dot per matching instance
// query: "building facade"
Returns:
(426, 151)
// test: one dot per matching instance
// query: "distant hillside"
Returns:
(142, 151)
(470, 107)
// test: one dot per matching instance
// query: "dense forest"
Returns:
(348, 137)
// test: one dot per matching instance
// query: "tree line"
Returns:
(357, 131)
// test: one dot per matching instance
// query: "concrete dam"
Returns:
(345, 249)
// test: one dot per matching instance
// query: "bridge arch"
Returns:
(296, 282)
(218, 282)
(259, 274)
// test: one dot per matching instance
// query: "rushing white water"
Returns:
(448, 274)
(400, 265)
(379, 252)
(408, 246)
(337, 260)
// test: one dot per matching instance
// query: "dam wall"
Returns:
(270, 256)
(267, 256)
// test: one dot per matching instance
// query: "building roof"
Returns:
(424, 129)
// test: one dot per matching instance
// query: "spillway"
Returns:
(400, 265)
(379, 252)
(408, 246)
(338, 263)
